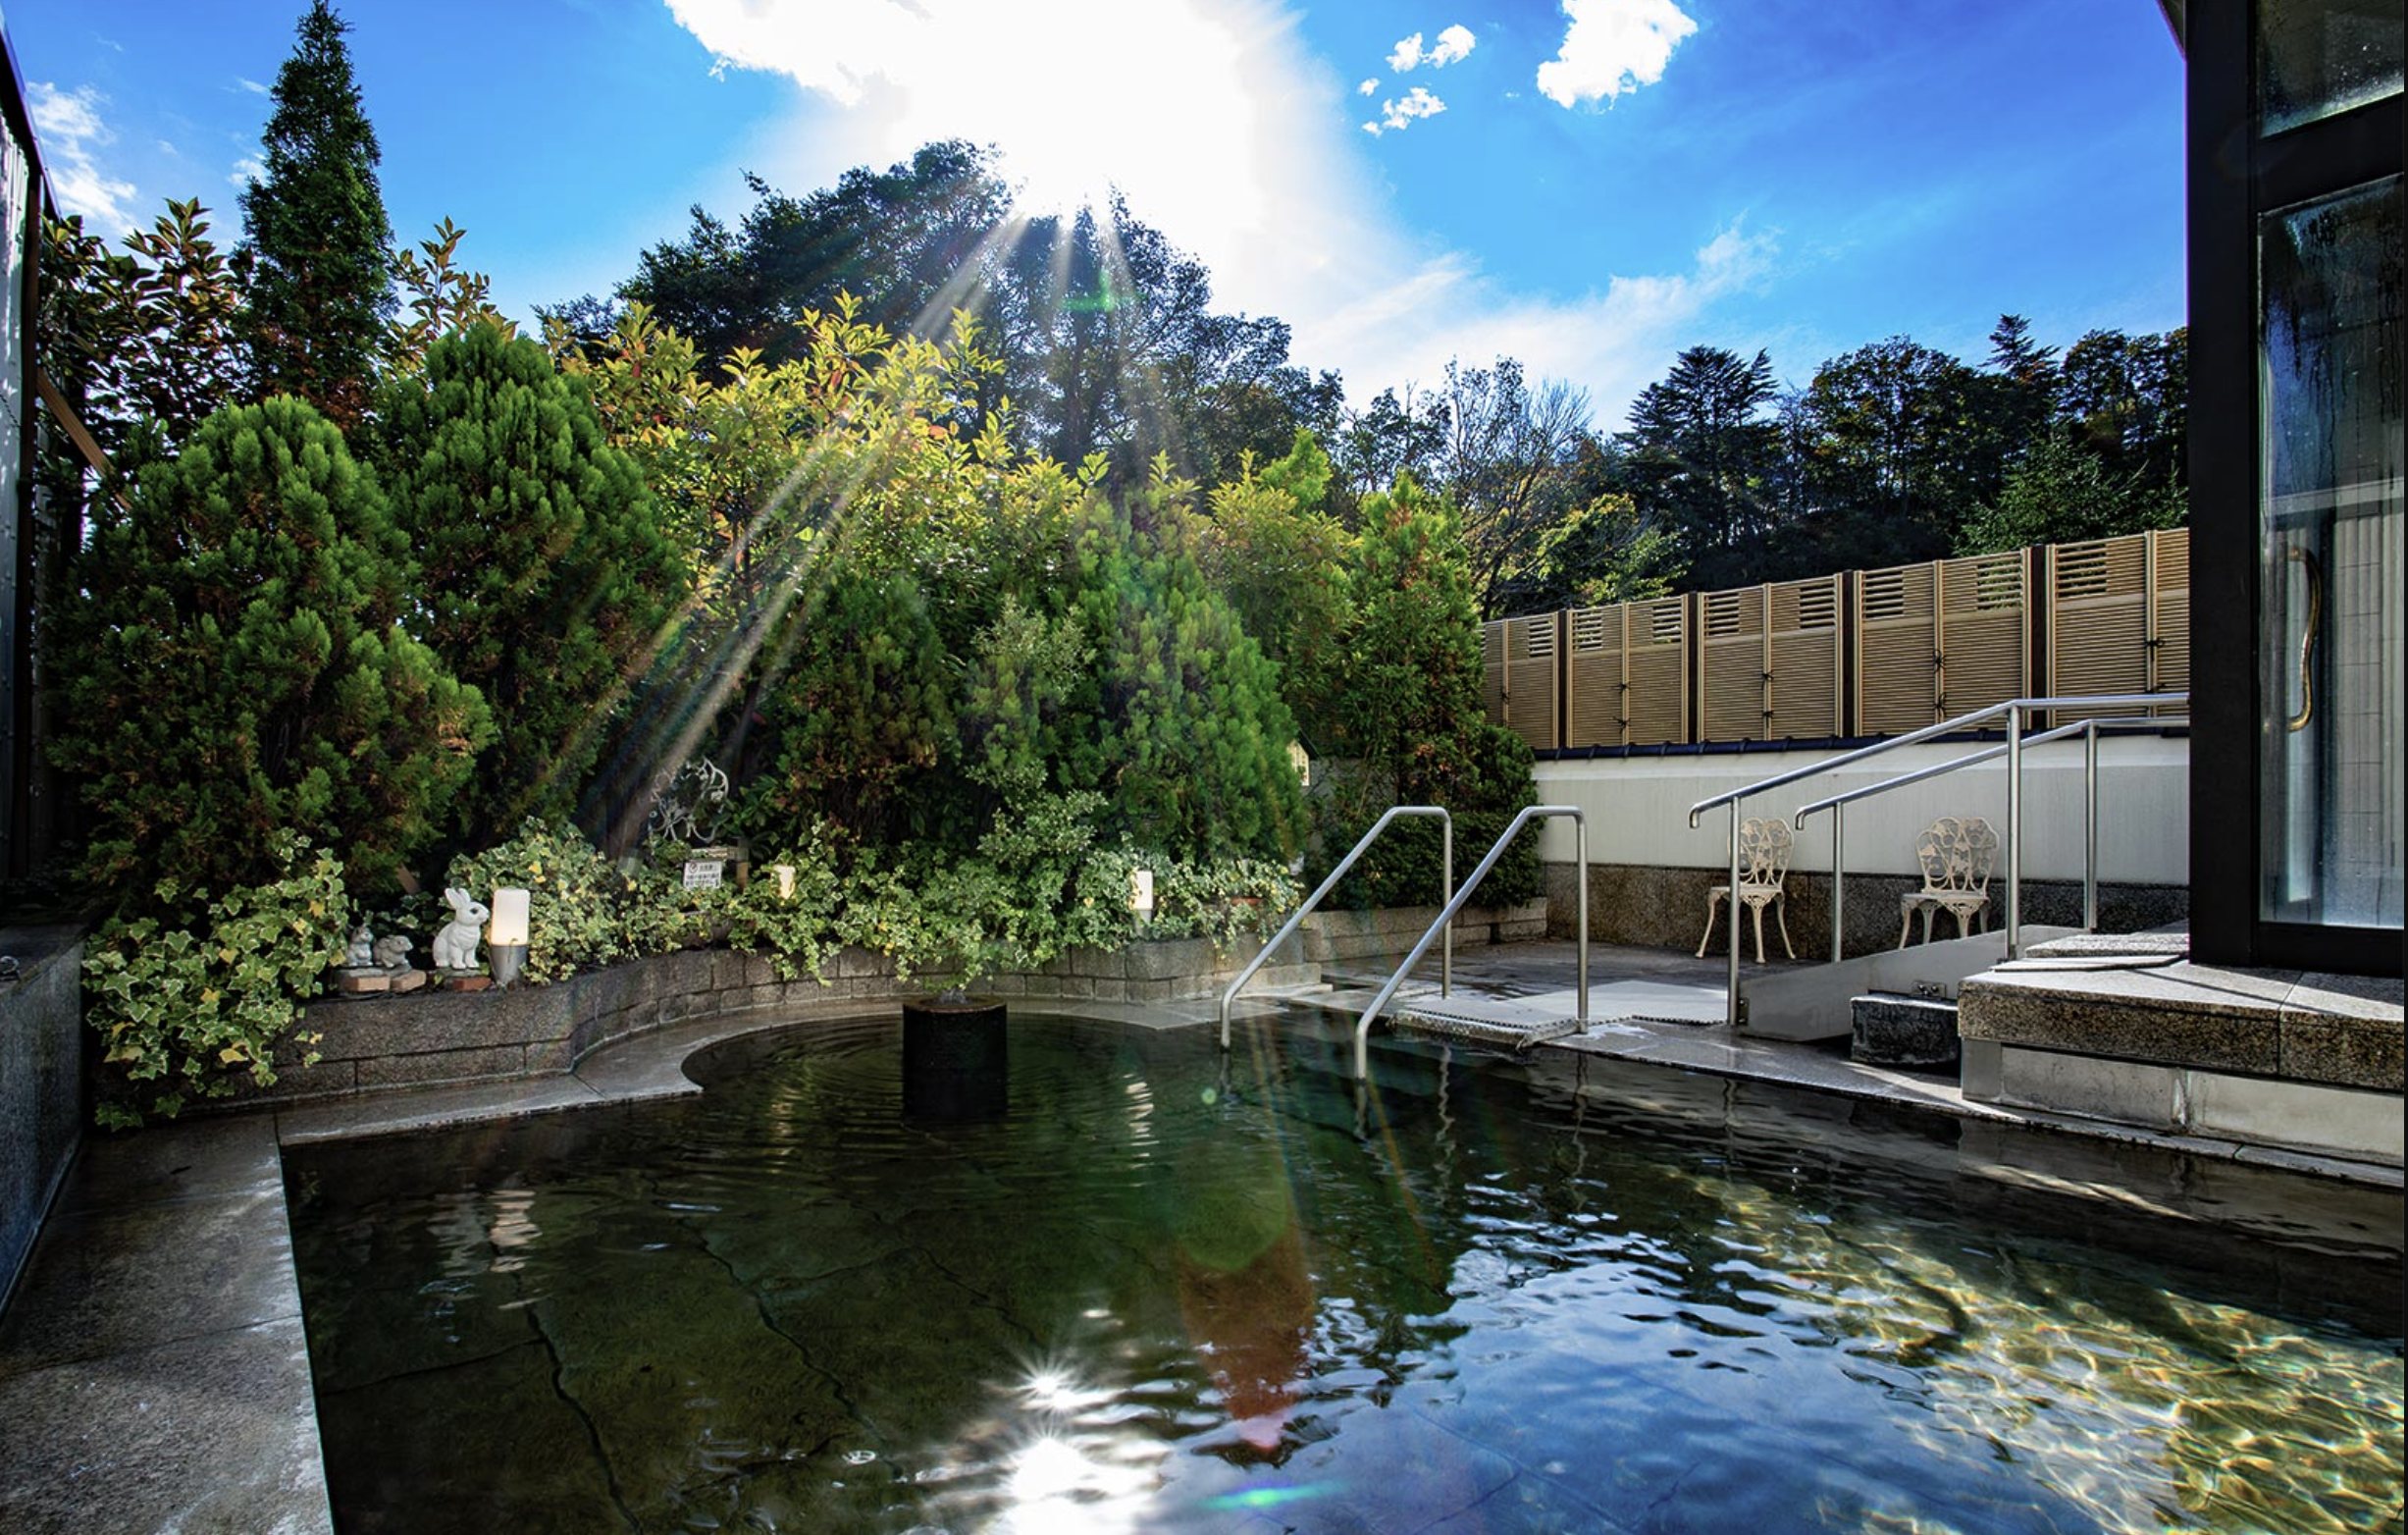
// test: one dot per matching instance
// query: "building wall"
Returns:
(1638, 809)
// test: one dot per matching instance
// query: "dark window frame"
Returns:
(2235, 176)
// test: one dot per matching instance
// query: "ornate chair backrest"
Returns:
(1765, 844)
(1958, 853)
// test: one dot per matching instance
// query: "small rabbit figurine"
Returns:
(393, 953)
(456, 945)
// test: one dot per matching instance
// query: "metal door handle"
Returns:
(2307, 640)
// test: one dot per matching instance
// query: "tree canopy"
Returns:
(317, 248)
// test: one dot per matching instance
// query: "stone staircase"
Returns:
(1917, 1033)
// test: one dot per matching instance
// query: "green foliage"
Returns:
(1604, 553)
(1191, 734)
(146, 343)
(1700, 451)
(577, 900)
(797, 931)
(189, 1001)
(1281, 563)
(441, 297)
(1407, 714)
(237, 667)
(2061, 494)
(317, 242)
(861, 712)
(543, 572)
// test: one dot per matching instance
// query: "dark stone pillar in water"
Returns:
(954, 1067)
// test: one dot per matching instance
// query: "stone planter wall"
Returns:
(423, 1038)
(1340, 937)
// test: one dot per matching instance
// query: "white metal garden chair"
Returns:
(1958, 853)
(1765, 844)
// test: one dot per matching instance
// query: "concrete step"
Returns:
(1890, 1030)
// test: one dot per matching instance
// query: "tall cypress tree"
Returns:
(316, 240)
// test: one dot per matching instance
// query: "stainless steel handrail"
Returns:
(1444, 923)
(1447, 965)
(2088, 729)
(2013, 711)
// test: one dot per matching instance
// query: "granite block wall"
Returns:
(1665, 908)
(41, 1084)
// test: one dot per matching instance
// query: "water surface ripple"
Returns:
(1156, 1290)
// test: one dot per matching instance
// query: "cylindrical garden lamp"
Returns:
(507, 936)
(1141, 893)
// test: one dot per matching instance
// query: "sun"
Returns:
(1157, 99)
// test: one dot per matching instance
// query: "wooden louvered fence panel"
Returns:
(1898, 649)
(1531, 680)
(1492, 670)
(1802, 645)
(1731, 704)
(1598, 676)
(2170, 616)
(2099, 621)
(1986, 644)
(1656, 666)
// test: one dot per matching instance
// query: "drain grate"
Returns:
(1512, 1033)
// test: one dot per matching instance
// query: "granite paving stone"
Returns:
(107, 1280)
(193, 1159)
(208, 1435)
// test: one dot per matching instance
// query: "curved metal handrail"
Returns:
(2015, 711)
(1447, 965)
(2087, 729)
(1963, 722)
(1446, 917)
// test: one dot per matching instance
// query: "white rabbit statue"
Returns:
(455, 944)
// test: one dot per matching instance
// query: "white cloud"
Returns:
(69, 128)
(251, 85)
(1247, 164)
(1078, 98)
(1407, 324)
(1368, 86)
(250, 168)
(1612, 46)
(1453, 45)
(1399, 114)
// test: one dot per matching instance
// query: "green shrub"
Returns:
(544, 574)
(1191, 735)
(186, 1004)
(798, 933)
(236, 669)
(576, 898)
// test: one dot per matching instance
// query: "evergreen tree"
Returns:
(239, 668)
(543, 569)
(1190, 737)
(857, 707)
(1697, 451)
(317, 242)
(1406, 708)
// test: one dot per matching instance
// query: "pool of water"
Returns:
(1151, 1288)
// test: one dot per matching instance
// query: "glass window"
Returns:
(2320, 57)
(2330, 517)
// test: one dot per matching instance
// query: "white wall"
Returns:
(1638, 808)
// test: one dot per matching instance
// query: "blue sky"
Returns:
(1589, 186)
